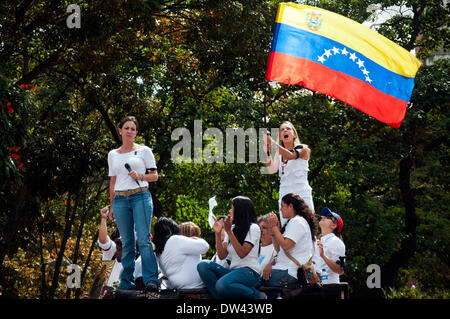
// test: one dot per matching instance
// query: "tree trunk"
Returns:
(67, 229)
(409, 243)
(10, 230)
(43, 265)
(86, 265)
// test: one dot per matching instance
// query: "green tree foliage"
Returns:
(63, 91)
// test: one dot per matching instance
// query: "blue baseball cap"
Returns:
(340, 223)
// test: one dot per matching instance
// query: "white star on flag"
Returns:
(329, 52)
(360, 63)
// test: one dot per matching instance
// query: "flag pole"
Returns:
(266, 122)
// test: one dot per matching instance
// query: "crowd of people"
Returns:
(250, 251)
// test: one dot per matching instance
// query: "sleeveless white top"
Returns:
(295, 180)
(295, 173)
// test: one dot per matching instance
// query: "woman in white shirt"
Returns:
(295, 239)
(240, 246)
(291, 162)
(131, 168)
(178, 255)
(267, 252)
(329, 254)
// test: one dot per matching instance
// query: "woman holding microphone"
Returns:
(131, 168)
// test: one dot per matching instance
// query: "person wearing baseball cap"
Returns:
(329, 254)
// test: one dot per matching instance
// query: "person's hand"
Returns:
(133, 175)
(273, 220)
(218, 225)
(104, 212)
(267, 272)
(320, 245)
(268, 142)
(227, 223)
(111, 215)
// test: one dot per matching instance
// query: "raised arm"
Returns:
(221, 247)
(103, 229)
(241, 250)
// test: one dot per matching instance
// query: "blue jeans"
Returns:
(229, 283)
(132, 213)
(280, 278)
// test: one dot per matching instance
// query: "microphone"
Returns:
(128, 167)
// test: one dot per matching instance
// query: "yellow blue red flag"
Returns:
(339, 57)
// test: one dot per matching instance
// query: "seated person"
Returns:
(112, 249)
(267, 251)
(178, 255)
(294, 242)
(329, 251)
(240, 246)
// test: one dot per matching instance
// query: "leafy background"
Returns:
(63, 91)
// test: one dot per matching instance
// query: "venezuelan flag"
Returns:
(334, 55)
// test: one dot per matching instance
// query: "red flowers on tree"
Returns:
(14, 154)
(7, 106)
(28, 87)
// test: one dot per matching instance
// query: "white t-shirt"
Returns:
(139, 160)
(179, 260)
(333, 248)
(109, 249)
(251, 260)
(266, 255)
(299, 232)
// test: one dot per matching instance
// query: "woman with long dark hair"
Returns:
(131, 168)
(295, 240)
(240, 246)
